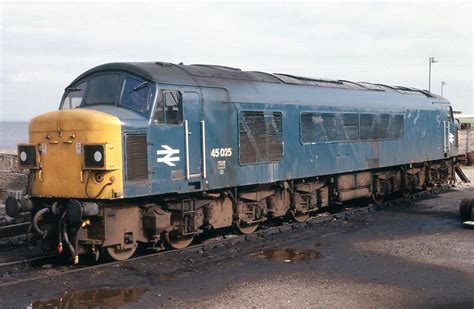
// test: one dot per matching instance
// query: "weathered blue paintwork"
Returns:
(215, 95)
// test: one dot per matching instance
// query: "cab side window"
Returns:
(74, 96)
(169, 108)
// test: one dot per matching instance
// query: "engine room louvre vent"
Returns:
(136, 157)
(260, 137)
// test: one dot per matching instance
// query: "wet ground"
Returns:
(409, 255)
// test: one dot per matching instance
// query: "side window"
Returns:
(369, 126)
(381, 126)
(169, 108)
(451, 114)
(328, 127)
(74, 96)
(338, 127)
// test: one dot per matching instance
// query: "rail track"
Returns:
(13, 268)
(13, 230)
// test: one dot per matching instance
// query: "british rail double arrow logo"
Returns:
(168, 155)
(451, 138)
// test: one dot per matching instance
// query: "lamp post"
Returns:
(432, 60)
(442, 85)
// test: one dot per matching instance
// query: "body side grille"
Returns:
(136, 157)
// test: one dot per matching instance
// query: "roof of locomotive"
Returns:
(207, 75)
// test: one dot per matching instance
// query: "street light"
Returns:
(432, 60)
(442, 84)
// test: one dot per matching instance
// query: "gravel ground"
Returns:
(409, 255)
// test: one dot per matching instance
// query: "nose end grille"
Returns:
(136, 157)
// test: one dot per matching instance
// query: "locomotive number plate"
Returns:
(221, 152)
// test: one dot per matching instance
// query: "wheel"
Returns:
(298, 216)
(465, 209)
(178, 242)
(428, 188)
(379, 190)
(113, 253)
(405, 191)
(377, 198)
(245, 229)
(471, 210)
(463, 213)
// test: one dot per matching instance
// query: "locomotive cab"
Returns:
(112, 131)
(76, 159)
(78, 149)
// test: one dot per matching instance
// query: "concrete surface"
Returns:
(410, 255)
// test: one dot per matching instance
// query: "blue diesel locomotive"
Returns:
(157, 152)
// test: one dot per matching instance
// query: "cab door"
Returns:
(453, 133)
(449, 133)
(193, 137)
(176, 139)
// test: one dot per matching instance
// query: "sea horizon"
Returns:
(12, 133)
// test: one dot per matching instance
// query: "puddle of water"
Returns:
(96, 298)
(287, 255)
(167, 276)
(324, 244)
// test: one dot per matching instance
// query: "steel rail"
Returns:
(12, 230)
(27, 261)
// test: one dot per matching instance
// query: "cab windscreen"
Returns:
(27, 155)
(94, 156)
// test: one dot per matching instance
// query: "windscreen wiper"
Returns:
(73, 89)
(141, 86)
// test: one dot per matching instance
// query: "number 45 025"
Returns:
(221, 152)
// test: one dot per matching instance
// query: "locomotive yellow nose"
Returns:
(80, 154)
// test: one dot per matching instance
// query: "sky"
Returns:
(44, 46)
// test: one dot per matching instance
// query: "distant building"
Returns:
(466, 120)
(466, 137)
